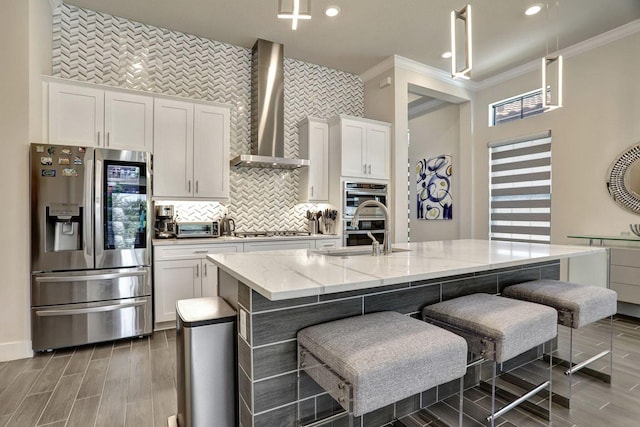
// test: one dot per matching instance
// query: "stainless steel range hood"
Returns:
(267, 110)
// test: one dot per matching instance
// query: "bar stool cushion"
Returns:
(386, 356)
(516, 326)
(587, 303)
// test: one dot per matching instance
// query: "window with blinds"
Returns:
(520, 190)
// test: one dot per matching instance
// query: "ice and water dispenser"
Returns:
(63, 227)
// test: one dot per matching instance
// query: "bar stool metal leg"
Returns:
(461, 403)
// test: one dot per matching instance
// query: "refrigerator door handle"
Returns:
(97, 209)
(89, 310)
(106, 276)
(88, 208)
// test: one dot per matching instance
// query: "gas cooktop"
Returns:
(272, 233)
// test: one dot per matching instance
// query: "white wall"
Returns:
(600, 118)
(14, 122)
(432, 134)
(22, 41)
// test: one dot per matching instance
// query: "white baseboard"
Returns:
(15, 350)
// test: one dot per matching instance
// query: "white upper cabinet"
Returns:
(76, 115)
(211, 139)
(128, 121)
(313, 138)
(191, 144)
(81, 114)
(361, 146)
(378, 150)
(173, 143)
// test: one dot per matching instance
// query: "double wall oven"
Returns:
(90, 245)
(371, 218)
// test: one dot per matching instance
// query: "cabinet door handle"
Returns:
(197, 186)
(98, 138)
(108, 139)
(204, 270)
(197, 270)
(189, 183)
(369, 168)
(365, 168)
(312, 191)
(201, 252)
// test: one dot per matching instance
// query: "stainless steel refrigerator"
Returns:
(90, 245)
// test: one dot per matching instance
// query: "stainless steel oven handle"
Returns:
(89, 277)
(89, 310)
(366, 193)
(362, 231)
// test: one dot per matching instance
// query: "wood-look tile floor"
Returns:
(132, 383)
(122, 383)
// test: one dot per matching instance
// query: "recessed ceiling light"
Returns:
(446, 55)
(533, 9)
(332, 11)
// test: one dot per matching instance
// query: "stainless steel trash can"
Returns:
(206, 359)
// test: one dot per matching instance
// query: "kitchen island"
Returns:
(278, 293)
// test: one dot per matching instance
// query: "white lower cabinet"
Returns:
(625, 274)
(182, 272)
(175, 280)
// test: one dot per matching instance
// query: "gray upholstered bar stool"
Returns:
(577, 306)
(497, 329)
(370, 361)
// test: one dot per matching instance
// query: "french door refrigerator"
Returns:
(90, 245)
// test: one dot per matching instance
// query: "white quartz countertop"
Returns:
(285, 274)
(233, 239)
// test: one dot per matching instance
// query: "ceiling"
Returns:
(368, 31)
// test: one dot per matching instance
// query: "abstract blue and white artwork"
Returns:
(434, 188)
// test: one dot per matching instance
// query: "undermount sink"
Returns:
(352, 251)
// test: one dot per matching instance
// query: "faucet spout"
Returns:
(386, 243)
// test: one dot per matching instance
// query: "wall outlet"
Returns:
(243, 324)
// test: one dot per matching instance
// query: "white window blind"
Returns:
(520, 190)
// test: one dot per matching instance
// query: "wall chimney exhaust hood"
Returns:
(267, 110)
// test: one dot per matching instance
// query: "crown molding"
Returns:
(603, 39)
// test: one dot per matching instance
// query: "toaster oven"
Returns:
(197, 229)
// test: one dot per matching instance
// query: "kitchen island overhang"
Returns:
(286, 274)
(278, 293)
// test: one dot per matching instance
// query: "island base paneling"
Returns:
(267, 340)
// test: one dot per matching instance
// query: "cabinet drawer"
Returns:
(628, 257)
(627, 293)
(325, 244)
(277, 246)
(177, 252)
(624, 274)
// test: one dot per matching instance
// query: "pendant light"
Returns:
(463, 15)
(551, 82)
(552, 75)
(294, 10)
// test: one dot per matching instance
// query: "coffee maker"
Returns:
(165, 223)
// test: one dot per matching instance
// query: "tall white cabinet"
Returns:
(88, 115)
(191, 150)
(361, 147)
(313, 139)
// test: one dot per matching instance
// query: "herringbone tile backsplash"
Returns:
(100, 48)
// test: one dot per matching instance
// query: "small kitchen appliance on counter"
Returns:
(197, 229)
(227, 225)
(164, 224)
